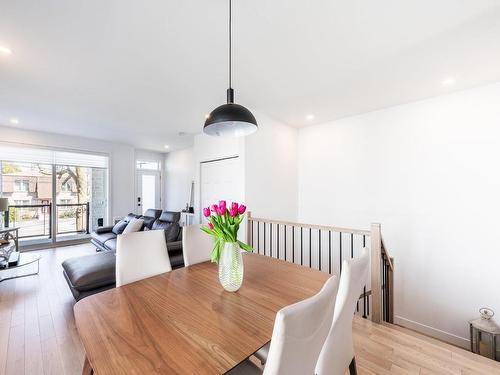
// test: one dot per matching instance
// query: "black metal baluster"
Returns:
(285, 242)
(293, 244)
(352, 245)
(301, 247)
(319, 250)
(352, 256)
(278, 240)
(264, 238)
(340, 251)
(383, 288)
(329, 251)
(258, 237)
(364, 288)
(271, 240)
(387, 296)
(310, 247)
(251, 238)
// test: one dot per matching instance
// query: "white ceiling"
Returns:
(140, 72)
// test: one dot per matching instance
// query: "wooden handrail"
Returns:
(312, 226)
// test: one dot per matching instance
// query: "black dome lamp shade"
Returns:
(231, 119)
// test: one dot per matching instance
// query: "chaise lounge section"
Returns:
(90, 274)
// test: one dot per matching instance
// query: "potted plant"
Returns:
(223, 225)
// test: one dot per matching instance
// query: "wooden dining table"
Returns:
(184, 322)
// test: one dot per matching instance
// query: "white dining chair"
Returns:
(339, 341)
(298, 335)
(196, 245)
(337, 353)
(140, 255)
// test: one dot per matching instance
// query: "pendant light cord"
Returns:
(230, 42)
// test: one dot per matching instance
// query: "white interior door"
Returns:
(221, 180)
(148, 190)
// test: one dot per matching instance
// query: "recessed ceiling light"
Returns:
(448, 81)
(166, 146)
(14, 121)
(309, 117)
(5, 50)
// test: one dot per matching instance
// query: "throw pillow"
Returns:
(134, 225)
(119, 227)
(148, 222)
(172, 232)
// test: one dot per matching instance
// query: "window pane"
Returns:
(28, 186)
(80, 199)
(151, 165)
(148, 192)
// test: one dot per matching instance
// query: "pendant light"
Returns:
(231, 119)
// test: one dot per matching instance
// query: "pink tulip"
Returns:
(222, 207)
(220, 211)
(234, 206)
(206, 212)
(214, 208)
(241, 209)
(210, 225)
(234, 212)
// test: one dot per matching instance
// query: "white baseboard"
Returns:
(433, 332)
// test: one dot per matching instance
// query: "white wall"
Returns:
(179, 172)
(271, 170)
(428, 171)
(121, 161)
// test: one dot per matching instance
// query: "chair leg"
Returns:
(352, 367)
(87, 369)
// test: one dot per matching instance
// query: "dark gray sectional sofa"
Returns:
(95, 273)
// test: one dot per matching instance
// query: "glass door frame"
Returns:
(138, 188)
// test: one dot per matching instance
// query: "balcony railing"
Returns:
(35, 220)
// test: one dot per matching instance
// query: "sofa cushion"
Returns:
(172, 232)
(148, 222)
(119, 227)
(104, 229)
(170, 216)
(175, 246)
(91, 271)
(159, 224)
(102, 237)
(151, 212)
(171, 229)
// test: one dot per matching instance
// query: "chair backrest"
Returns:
(338, 350)
(140, 255)
(196, 245)
(300, 331)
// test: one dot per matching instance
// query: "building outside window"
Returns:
(21, 185)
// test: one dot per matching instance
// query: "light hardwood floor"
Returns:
(38, 334)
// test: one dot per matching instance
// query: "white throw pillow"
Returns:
(133, 225)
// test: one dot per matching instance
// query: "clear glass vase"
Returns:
(231, 267)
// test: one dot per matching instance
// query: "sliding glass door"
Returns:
(28, 186)
(62, 198)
